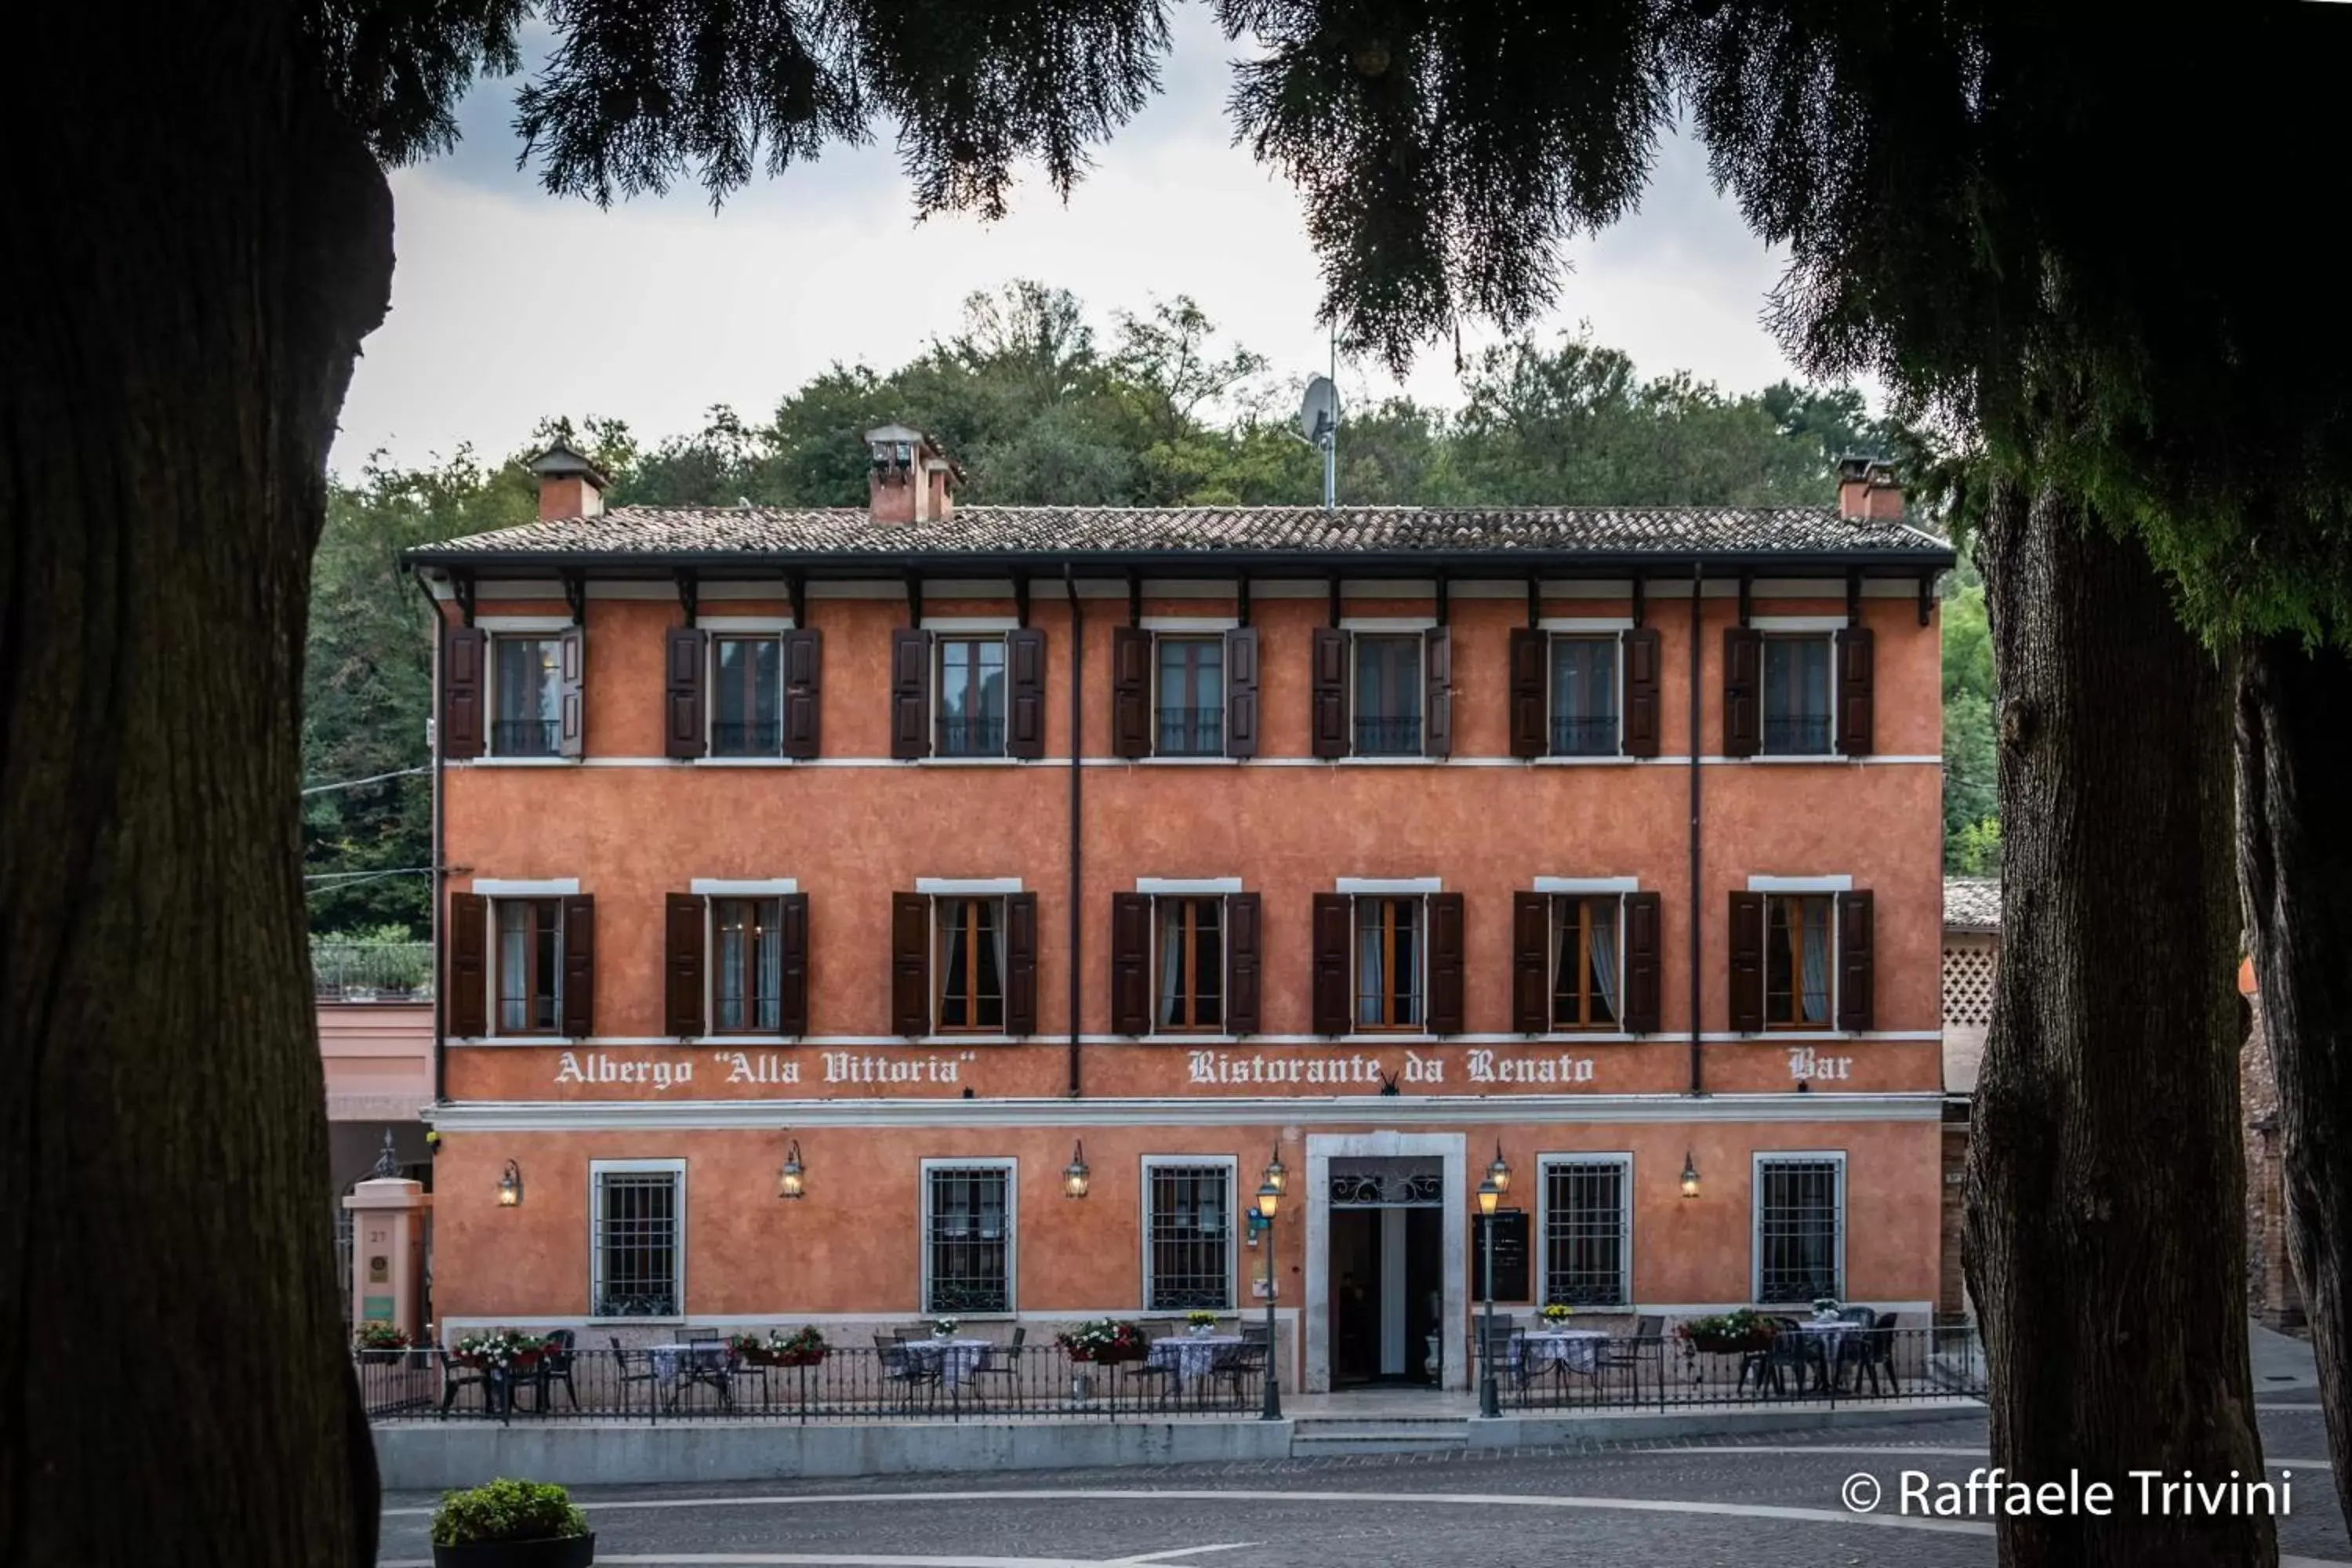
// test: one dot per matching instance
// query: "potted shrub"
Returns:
(1555, 1314)
(1745, 1330)
(1200, 1322)
(512, 1524)
(803, 1348)
(500, 1350)
(1105, 1342)
(380, 1343)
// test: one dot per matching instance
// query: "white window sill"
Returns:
(1597, 760)
(742, 761)
(975, 762)
(1187, 762)
(640, 1322)
(514, 762)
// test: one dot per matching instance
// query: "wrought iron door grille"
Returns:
(1189, 1226)
(969, 1233)
(1801, 1212)
(637, 1244)
(1584, 1233)
(1389, 1187)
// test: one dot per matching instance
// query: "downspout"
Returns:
(1077, 719)
(1697, 1070)
(435, 897)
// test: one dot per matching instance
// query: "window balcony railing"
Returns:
(525, 737)
(982, 737)
(1380, 737)
(755, 1014)
(1796, 734)
(748, 738)
(1583, 737)
(1191, 732)
(372, 970)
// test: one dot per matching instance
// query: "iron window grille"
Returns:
(1583, 696)
(971, 720)
(968, 1239)
(1796, 706)
(528, 720)
(637, 1244)
(530, 964)
(1188, 1230)
(747, 716)
(1587, 1232)
(1800, 1229)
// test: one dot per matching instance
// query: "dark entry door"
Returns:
(1387, 1293)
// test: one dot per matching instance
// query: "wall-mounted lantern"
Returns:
(1275, 1176)
(1074, 1175)
(1690, 1177)
(791, 1181)
(1500, 1173)
(511, 1186)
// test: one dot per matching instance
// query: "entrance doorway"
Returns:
(1385, 1270)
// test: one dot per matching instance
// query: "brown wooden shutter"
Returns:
(911, 963)
(1743, 687)
(1856, 672)
(572, 735)
(1330, 988)
(1437, 703)
(1021, 963)
(1130, 693)
(792, 993)
(804, 657)
(1747, 963)
(682, 964)
(1330, 692)
(1445, 965)
(910, 710)
(1530, 963)
(1640, 652)
(580, 966)
(1855, 1007)
(1240, 693)
(1130, 963)
(686, 656)
(1242, 964)
(467, 988)
(462, 650)
(1024, 666)
(1529, 733)
(1644, 939)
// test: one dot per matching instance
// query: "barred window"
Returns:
(1800, 1228)
(1188, 1249)
(968, 1239)
(639, 1244)
(1587, 1227)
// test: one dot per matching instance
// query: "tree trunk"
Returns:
(2294, 860)
(198, 242)
(2105, 1246)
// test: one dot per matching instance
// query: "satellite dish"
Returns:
(1318, 412)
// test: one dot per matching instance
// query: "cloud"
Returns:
(509, 304)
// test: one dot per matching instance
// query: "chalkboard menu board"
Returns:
(1509, 1229)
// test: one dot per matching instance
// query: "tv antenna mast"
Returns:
(1318, 423)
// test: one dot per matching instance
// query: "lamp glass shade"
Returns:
(1269, 1198)
(511, 1186)
(1276, 1175)
(792, 1180)
(1500, 1173)
(1074, 1177)
(1690, 1177)
(1489, 1196)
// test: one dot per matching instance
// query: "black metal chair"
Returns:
(1786, 1353)
(905, 1369)
(1003, 1364)
(1163, 1374)
(1504, 1345)
(554, 1367)
(634, 1366)
(1243, 1366)
(1646, 1348)
(456, 1375)
(1876, 1354)
(1853, 1346)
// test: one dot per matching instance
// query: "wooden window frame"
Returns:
(1418, 686)
(939, 644)
(712, 706)
(1215, 639)
(1417, 905)
(971, 965)
(1827, 641)
(1581, 903)
(1190, 990)
(771, 903)
(1615, 687)
(1773, 901)
(494, 687)
(497, 966)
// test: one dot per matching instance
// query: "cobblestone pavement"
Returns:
(1745, 1503)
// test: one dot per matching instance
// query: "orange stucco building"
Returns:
(937, 849)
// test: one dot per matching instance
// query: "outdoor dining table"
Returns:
(957, 1359)
(1190, 1356)
(1823, 1336)
(1577, 1350)
(681, 1366)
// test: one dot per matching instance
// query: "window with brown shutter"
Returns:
(578, 939)
(526, 965)
(1645, 941)
(1446, 942)
(1241, 692)
(1746, 958)
(1188, 976)
(1024, 657)
(1328, 695)
(682, 941)
(1388, 965)
(747, 695)
(1585, 688)
(747, 966)
(1799, 960)
(572, 738)
(1588, 961)
(1530, 960)
(1437, 705)
(1856, 672)
(1743, 660)
(682, 714)
(1130, 963)
(804, 705)
(1188, 688)
(1854, 949)
(1242, 964)
(463, 650)
(466, 989)
(911, 963)
(911, 702)
(1021, 963)
(1642, 653)
(1130, 692)
(1527, 727)
(1332, 926)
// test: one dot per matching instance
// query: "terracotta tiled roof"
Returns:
(705, 531)
(1972, 904)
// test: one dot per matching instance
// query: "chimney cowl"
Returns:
(909, 480)
(1867, 490)
(570, 485)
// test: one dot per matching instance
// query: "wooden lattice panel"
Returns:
(1968, 976)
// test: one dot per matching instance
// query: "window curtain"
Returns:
(1603, 913)
(996, 947)
(730, 971)
(1815, 914)
(772, 965)
(514, 967)
(1172, 963)
(1370, 983)
(952, 980)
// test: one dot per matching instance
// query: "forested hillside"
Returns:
(1042, 408)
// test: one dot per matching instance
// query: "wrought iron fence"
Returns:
(1387, 737)
(1792, 1365)
(372, 970)
(525, 737)
(915, 1379)
(1191, 732)
(982, 737)
(1583, 737)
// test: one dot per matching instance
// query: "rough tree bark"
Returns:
(2294, 863)
(197, 244)
(2104, 1247)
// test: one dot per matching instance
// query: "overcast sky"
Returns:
(509, 304)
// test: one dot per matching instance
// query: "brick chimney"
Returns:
(1867, 491)
(568, 484)
(912, 481)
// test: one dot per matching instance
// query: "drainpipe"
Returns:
(1697, 1070)
(435, 897)
(1077, 718)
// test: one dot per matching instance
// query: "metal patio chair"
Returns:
(1646, 1348)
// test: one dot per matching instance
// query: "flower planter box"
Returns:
(566, 1551)
(1731, 1344)
(383, 1357)
(800, 1358)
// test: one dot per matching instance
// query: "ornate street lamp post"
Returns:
(1269, 1198)
(1490, 1193)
